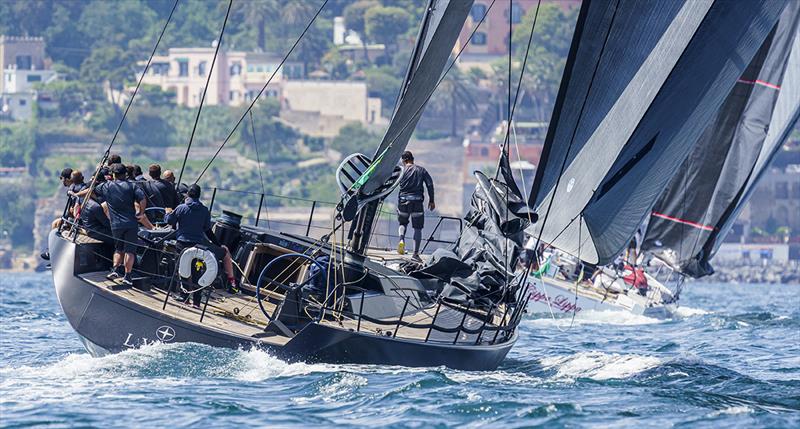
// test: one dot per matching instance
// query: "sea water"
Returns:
(731, 358)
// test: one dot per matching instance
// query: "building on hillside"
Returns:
(321, 107)
(24, 65)
(491, 39)
(349, 43)
(236, 79)
(482, 154)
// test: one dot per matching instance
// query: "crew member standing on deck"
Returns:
(410, 204)
(121, 196)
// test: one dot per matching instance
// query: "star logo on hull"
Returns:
(165, 334)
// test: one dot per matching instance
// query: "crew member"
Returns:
(66, 181)
(94, 218)
(410, 201)
(121, 197)
(192, 222)
(160, 193)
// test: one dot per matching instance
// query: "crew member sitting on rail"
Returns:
(192, 222)
(121, 197)
(410, 201)
(94, 218)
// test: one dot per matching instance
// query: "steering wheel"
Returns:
(284, 287)
(156, 215)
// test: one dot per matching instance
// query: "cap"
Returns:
(66, 173)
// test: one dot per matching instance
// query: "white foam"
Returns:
(682, 312)
(740, 409)
(598, 365)
(597, 317)
(258, 365)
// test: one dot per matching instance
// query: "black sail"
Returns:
(642, 81)
(699, 205)
(440, 29)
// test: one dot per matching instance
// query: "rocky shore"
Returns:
(748, 272)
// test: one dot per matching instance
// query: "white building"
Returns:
(236, 79)
(23, 66)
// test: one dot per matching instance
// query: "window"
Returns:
(782, 190)
(796, 191)
(484, 151)
(8, 77)
(201, 68)
(236, 69)
(233, 95)
(160, 69)
(34, 78)
(479, 39)
(477, 12)
(23, 102)
(24, 62)
(183, 67)
(516, 13)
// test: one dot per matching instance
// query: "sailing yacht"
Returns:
(626, 111)
(716, 115)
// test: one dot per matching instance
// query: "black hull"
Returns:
(107, 324)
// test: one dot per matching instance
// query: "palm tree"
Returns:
(455, 90)
(257, 13)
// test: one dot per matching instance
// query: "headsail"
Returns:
(701, 202)
(440, 29)
(642, 81)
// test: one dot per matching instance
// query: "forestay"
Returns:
(701, 202)
(440, 29)
(642, 81)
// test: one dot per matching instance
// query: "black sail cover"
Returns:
(690, 219)
(642, 81)
(440, 29)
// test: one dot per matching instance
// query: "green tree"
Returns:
(384, 85)
(256, 14)
(354, 138)
(385, 25)
(455, 92)
(18, 205)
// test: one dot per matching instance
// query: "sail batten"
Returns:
(647, 98)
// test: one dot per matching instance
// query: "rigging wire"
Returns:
(261, 91)
(205, 90)
(107, 153)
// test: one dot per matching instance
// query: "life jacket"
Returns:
(634, 276)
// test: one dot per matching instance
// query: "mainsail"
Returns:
(642, 81)
(440, 29)
(700, 204)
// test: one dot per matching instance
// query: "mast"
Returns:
(630, 108)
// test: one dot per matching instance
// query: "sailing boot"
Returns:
(116, 273)
(233, 287)
(401, 248)
(127, 280)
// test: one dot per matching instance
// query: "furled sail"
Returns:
(642, 81)
(440, 29)
(701, 202)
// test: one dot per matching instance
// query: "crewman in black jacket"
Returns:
(410, 201)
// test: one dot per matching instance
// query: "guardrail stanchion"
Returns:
(260, 204)
(461, 325)
(360, 310)
(402, 313)
(213, 197)
(433, 323)
(311, 217)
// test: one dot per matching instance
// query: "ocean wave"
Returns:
(682, 312)
(596, 317)
(598, 366)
